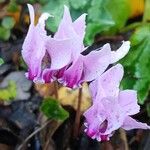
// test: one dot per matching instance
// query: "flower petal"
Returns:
(72, 76)
(114, 114)
(33, 49)
(65, 29)
(31, 13)
(121, 52)
(128, 101)
(80, 25)
(130, 123)
(107, 85)
(96, 62)
(48, 75)
(59, 52)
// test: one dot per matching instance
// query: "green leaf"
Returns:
(143, 87)
(93, 29)
(138, 62)
(78, 4)
(1, 61)
(43, 2)
(140, 34)
(4, 33)
(103, 17)
(55, 8)
(53, 110)
(146, 16)
(12, 6)
(120, 11)
(100, 15)
(9, 93)
(8, 22)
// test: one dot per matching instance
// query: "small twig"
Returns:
(52, 130)
(34, 133)
(124, 138)
(56, 89)
(78, 114)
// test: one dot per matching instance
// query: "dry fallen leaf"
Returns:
(45, 90)
(70, 97)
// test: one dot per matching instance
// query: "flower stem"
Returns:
(56, 89)
(78, 114)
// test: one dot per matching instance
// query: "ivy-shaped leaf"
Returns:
(53, 110)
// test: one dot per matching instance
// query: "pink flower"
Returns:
(59, 58)
(83, 68)
(43, 54)
(89, 67)
(66, 45)
(111, 107)
(34, 46)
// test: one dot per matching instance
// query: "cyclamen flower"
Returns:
(34, 45)
(111, 107)
(89, 67)
(71, 35)
(84, 68)
(59, 57)
(42, 52)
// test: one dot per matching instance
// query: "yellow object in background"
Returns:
(137, 7)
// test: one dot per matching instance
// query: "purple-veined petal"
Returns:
(121, 52)
(48, 75)
(72, 76)
(128, 101)
(96, 62)
(130, 123)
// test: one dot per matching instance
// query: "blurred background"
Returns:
(108, 21)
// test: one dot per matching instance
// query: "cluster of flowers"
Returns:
(60, 58)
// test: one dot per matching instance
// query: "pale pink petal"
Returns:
(128, 101)
(80, 25)
(96, 109)
(121, 52)
(33, 49)
(96, 62)
(31, 13)
(65, 29)
(130, 123)
(114, 114)
(107, 85)
(59, 52)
